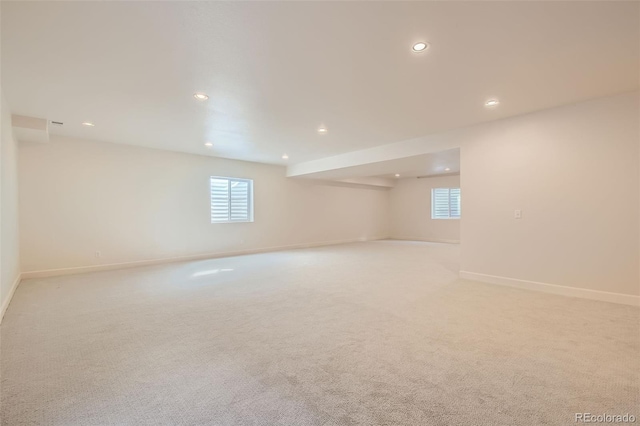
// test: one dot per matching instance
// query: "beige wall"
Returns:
(9, 246)
(411, 211)
(573, 171)
(131, 204)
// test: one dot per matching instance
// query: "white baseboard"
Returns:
(5, 304)
(111, 266)
(625, 299)
(428, 240)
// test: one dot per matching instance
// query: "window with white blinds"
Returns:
(231, 200)
(445, 203)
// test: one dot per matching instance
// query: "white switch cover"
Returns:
(517, 214)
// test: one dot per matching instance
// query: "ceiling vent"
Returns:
(30, 129)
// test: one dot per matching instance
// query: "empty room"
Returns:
(319, 213)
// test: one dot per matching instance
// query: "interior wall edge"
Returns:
(603, 296)
(7, 301)
(9, 215)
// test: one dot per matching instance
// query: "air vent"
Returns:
(57, 123)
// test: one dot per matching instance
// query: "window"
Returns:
(445, 203)
(231, 200)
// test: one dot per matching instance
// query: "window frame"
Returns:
(433, 204)
(231, 180)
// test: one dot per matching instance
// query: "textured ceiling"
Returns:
(432, 164)
(276, 71)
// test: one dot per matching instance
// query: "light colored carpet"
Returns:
(380, 333)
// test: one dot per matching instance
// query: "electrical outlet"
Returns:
(98, 254)
(517, 214)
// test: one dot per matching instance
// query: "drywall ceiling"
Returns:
(431, 164)
(437, 163)
(276, 71)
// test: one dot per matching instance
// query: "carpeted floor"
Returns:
(379, 333)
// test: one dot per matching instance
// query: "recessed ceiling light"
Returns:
(420, 47)
(397, 175)
(491, 102)
(322, 130)
(208, 144)
(447, 169)
(88, 124)
(200, 96)
(285, 157)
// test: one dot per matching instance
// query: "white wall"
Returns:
(411, 210)
(132, 204)
(9, 244)
(574, 173)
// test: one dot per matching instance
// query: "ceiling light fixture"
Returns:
(285, 157)
(208, 144)
(447, 169)
(322, 130)
(88, 124)
(200, 96)
(397, 175)
(491, 103)
(420, 47)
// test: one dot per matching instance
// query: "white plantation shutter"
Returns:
(445, 203)
(239, 200)
(454, 203)
(219, 200)
(231, 200)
